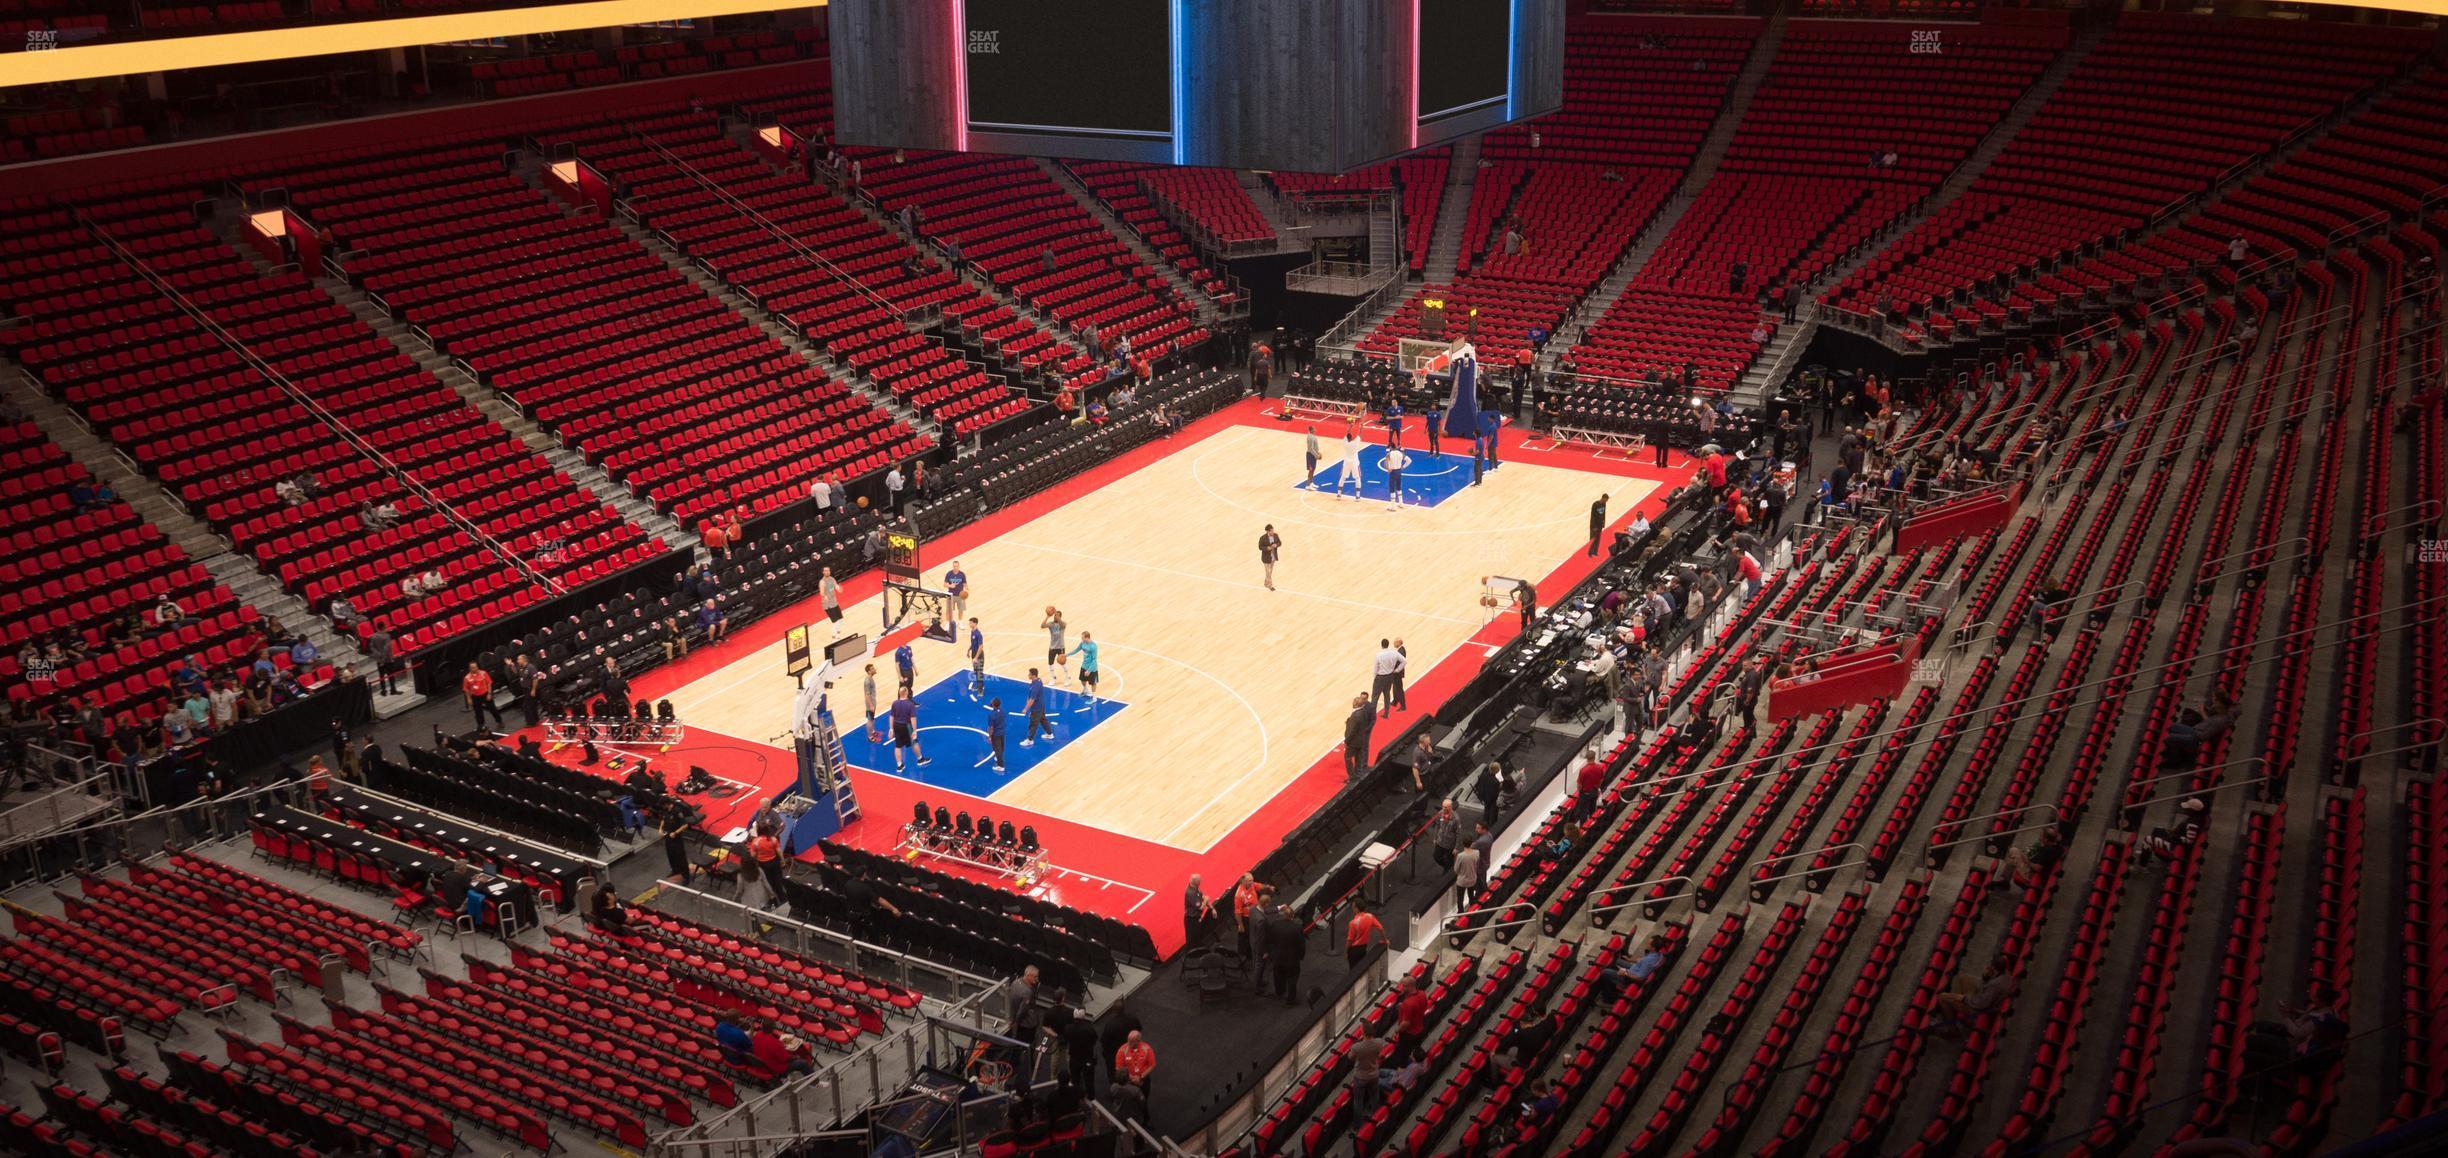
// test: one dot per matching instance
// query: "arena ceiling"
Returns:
(134, 57)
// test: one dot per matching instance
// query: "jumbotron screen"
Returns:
(1465, 56)
(1083, 68)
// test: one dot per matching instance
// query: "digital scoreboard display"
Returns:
(1069, 68)
(1465, 57)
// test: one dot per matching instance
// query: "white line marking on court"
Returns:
(1145, 894)
(1234, 583)
(1215, 442)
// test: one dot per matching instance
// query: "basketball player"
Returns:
(1394, 462)
(905, 729)
(1393, 423)
(1434, 422)
(1351, 464)
(1270, 545)
(1036, 712)
(873, 736)
(1087, 651)
(1310, 479)
(977, 659)
(994, 729)
(828, 590)
(956, 582)
(1054, 628)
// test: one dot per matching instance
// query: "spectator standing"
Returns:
(1368, 1074)
(1197, 910)
(1356, 728)
(765, 851)
(478, 687)
(1135, 1064)
(1466, 875)
(1363, 931)
(1287, 946)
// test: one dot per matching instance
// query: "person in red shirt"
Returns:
(1364, 930)
(1134, 1062)
(1587, 783)
(1410, 1019)
(713, 537)
(1716, 466)
(1244, 900)
(479, 689)
(1749, 568)
(777, 1055)
(766, 851)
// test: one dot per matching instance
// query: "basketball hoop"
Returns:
(990, 1073)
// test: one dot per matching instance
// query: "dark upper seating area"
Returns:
(1804, 181)
(1555, 204)
(2162, 108)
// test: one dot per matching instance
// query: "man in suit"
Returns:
(1287, 944)
(1598, 521)
(1356, 728)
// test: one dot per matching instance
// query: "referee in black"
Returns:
(1597, 522)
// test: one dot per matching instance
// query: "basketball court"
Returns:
(1220, 715)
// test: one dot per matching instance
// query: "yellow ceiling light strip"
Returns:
(133, 57)
(2428, 7)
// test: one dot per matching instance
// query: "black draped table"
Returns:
(472, 844)
(406, 861)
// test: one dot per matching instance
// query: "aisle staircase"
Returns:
(201, 543)
(1453, 212)
(1209, 310)
(1705, 161)
(2018, 116)
(1746, 85)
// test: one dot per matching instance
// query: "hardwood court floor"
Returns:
(1234, 690)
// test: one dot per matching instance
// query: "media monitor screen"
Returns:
(1465, 56)
(1069, 68)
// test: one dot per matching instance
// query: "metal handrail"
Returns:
(10, 834)
(2430, 507)
(2128, 822)
(1758, 888)
(1445, 925)
(1597, 911)
(2213, 576)
(347, 432)
(2192, 772)
(2056, 816)
(776, 231)
(1929, 854)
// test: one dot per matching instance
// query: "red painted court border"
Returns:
(1120, 876)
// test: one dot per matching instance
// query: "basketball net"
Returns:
(1421, 369)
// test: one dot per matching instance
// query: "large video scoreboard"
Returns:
(1093, 69)
(1317, 85)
